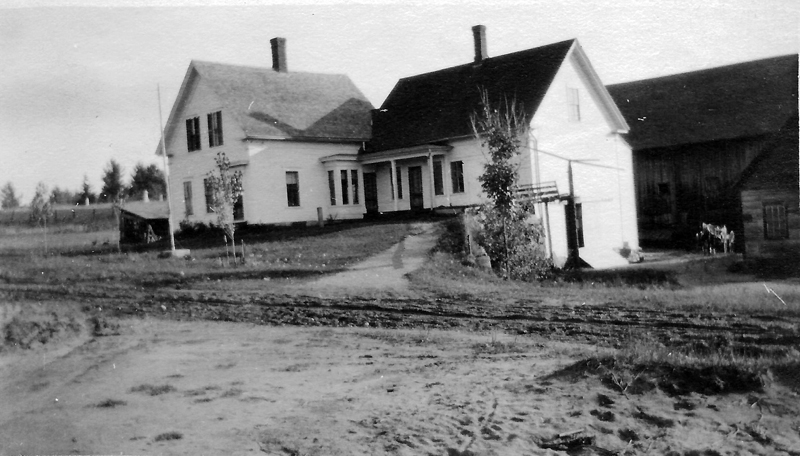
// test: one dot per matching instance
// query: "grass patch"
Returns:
(110, 403)
(272, 253)
(643, 365)
(168, 436)
(153, 390)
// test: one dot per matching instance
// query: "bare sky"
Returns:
(78, 83)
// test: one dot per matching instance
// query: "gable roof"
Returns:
(733, 101)
(283, 105)
(436, 106)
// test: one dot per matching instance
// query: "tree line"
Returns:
(143, 178)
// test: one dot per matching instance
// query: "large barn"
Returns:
(693, 136)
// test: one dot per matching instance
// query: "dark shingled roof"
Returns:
(437, 106)
(151, 210)
(734, 101)
(289, 105)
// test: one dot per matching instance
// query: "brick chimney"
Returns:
(279, 55)
(479, 34)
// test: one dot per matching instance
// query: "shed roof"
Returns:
(437, 106)
(733, 101)
(151, 210)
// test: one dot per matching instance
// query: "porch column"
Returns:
(393, 180)
(430, 172)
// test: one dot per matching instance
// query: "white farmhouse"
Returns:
(305, 141)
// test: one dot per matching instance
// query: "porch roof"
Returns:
(403, 153)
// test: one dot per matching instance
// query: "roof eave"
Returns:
(330, 139)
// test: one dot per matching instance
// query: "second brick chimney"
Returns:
(479, 34)
(279, 55)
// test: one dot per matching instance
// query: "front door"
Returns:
(371, 193)
(415, 187)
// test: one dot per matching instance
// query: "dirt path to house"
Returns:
(385, 272)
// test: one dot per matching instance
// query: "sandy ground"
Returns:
(234, 388)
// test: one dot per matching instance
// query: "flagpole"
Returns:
(166, 170)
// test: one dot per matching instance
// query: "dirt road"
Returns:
(152, 386)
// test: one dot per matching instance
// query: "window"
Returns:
(579, 223)
(332, 187)
(345, 188)
(193, 133)
(209, 196)
(457, 176)
(573, 104)
(215, 129)
(775, 222)
(187, 198)
(438, 184)
(354, 183)
(399, 184)
(238, 209)
(293, 188)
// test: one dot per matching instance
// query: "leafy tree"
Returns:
(10, 199)
(86, 192)
(113, 188)
(148, 178)
(59, 196)
(226, 188)
(41, 209)
(509, 236)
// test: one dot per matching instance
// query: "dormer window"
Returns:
(573, 105)
(215, 129)
(193, 133)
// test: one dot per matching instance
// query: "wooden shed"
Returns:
(143, 222)
(770, 194)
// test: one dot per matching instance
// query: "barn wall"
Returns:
(696, 182)
(753, 215)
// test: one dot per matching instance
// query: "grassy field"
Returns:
(270, 254)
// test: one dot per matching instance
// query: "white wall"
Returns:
(265, 182)
(185, 166)
(606, 195)
(264, 175)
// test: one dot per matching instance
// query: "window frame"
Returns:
(438, 177)
(354, 185)
(215, 129)
(573, 104)
(209, 195)
(344, 179)
(332, 187)
(457, 176)
(780, 217)
(193, 134)
(292, 191)
(187, 198)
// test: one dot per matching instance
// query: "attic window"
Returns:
(215, 129)
(193, 133)
(573, 105)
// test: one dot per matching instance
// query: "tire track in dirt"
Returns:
(605, 324)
